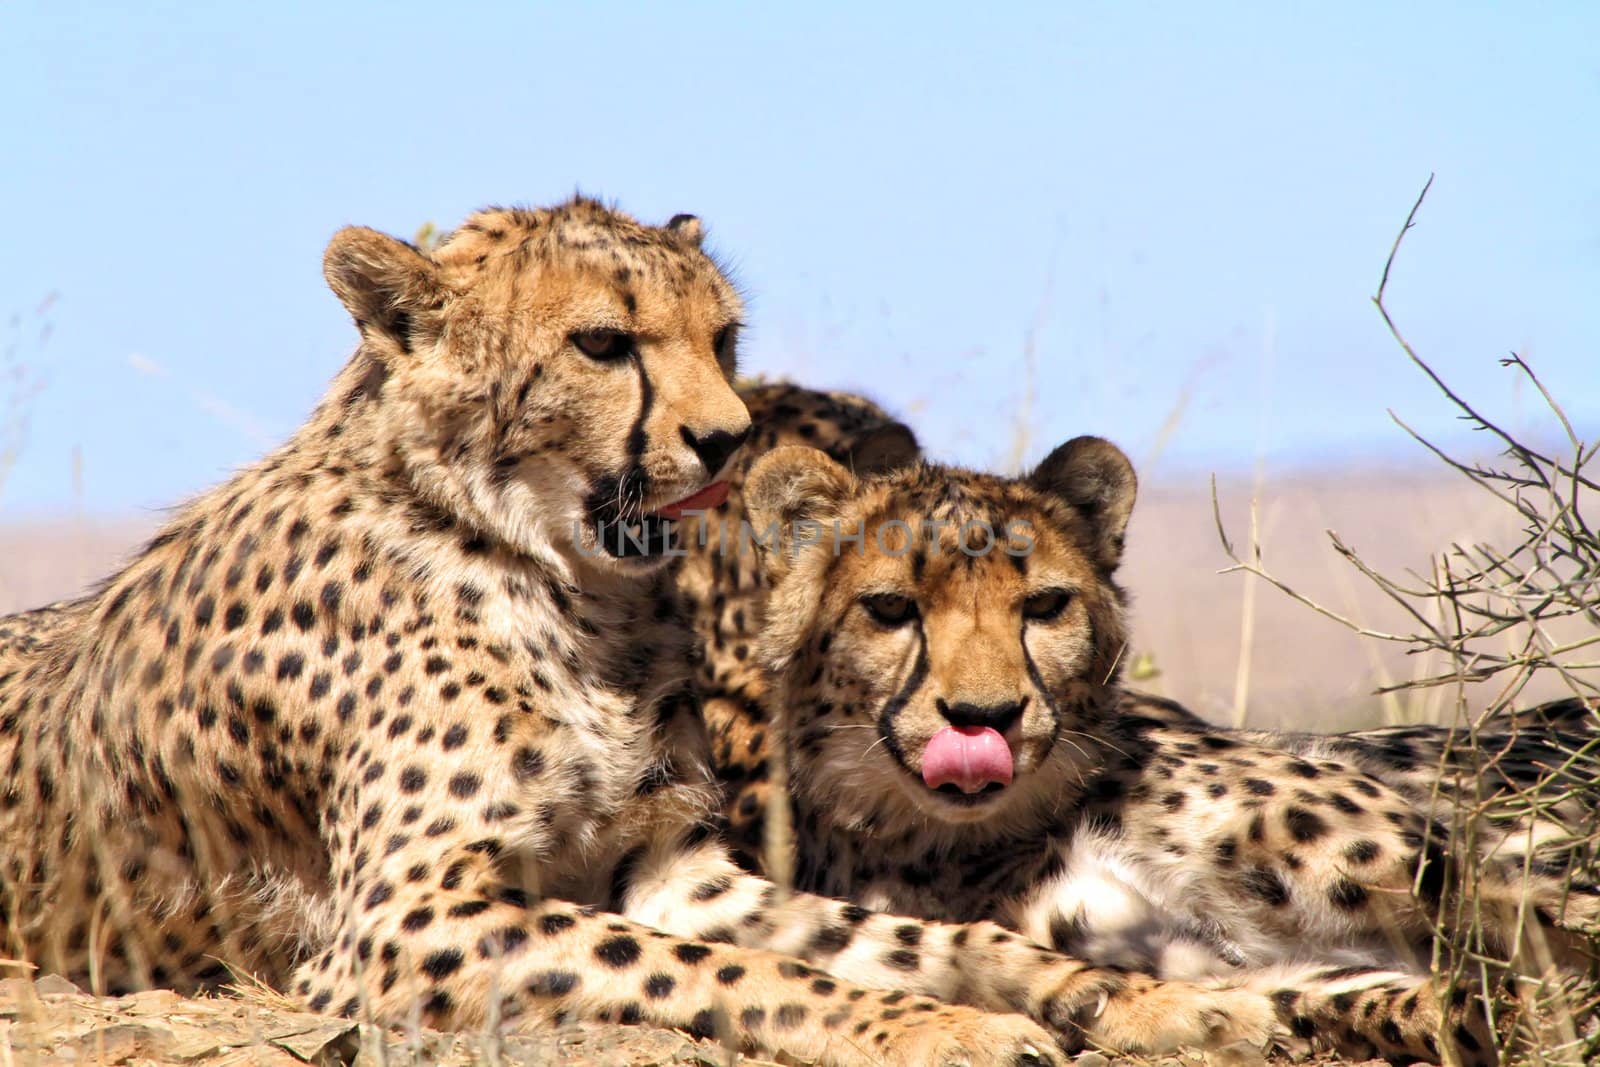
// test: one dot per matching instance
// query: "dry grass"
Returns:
(1492, 620)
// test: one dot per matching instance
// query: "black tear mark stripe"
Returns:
(636, 436)
(898, 702)
(1044, 691)
(609, 496)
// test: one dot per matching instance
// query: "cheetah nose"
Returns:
(998, 717)
(715, 447)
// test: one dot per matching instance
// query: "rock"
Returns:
(1238, 1054)
(55, 985)
(113, 1045)
(328, 1044)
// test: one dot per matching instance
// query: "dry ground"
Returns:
(52, 1021)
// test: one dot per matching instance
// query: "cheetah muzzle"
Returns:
(652, 535)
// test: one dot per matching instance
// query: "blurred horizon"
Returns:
(1156, 223)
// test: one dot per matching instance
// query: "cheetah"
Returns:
(726, 591)
(943, 654)
(400, 719)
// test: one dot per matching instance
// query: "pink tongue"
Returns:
(706, 499)
(970, 757)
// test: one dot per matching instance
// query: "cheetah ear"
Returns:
(788, 489)
(1097, 480)
(885, 447)
(384, 283)
(687, 229)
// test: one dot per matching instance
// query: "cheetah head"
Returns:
(558, 379)
(937, 635)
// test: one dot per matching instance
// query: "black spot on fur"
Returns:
(1347, 895)
(553, 983)
(618, 952)
(556, 923)
(1266, 884)
(1304, 826)
(690, 953)
(1363, 851)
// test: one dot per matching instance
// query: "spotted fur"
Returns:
(399, 719)
(722, 580)
(1132, 834)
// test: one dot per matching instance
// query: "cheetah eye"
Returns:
(722, 342)
(1046, 605)
(603, 345)
(890, 609)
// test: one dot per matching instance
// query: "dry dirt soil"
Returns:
(51, 1021)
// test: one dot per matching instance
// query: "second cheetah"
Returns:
(943, 654)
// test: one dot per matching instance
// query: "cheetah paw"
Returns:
(963, 1037)
(1153, 1016)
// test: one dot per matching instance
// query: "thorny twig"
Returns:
(1501, 616)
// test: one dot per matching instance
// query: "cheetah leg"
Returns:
(447, 952)
(737, 732)
(700, 893)
(1364, 1014)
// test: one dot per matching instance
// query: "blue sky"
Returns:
(1179, 204)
